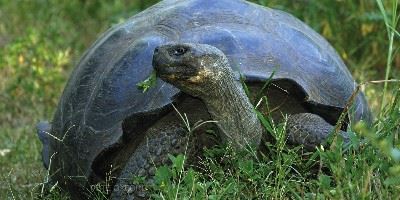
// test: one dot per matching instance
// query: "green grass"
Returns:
(40, 41)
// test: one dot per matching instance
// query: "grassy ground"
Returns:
(41, 40)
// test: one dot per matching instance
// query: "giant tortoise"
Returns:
(105, 125)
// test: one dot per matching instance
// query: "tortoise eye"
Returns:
(179, 51)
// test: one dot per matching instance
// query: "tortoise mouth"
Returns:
(171, 68)
(171, 73)
(167, 70)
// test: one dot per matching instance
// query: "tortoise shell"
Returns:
(102, 108)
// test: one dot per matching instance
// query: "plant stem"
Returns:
(390, 27)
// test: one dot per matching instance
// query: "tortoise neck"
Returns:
(230, 106)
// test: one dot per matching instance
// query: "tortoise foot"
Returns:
(151, 153)
(310, 130)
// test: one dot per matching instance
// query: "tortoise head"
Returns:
(193, 68)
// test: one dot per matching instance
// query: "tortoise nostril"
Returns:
(156, 50)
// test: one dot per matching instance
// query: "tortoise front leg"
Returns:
(150, 154)
(310, 130)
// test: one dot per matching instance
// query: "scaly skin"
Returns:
(166, 136)
(203, 71)
(151, 153)
(310, 130)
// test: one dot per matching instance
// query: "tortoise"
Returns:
(105, 124)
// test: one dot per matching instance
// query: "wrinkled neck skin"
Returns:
(228, 104)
